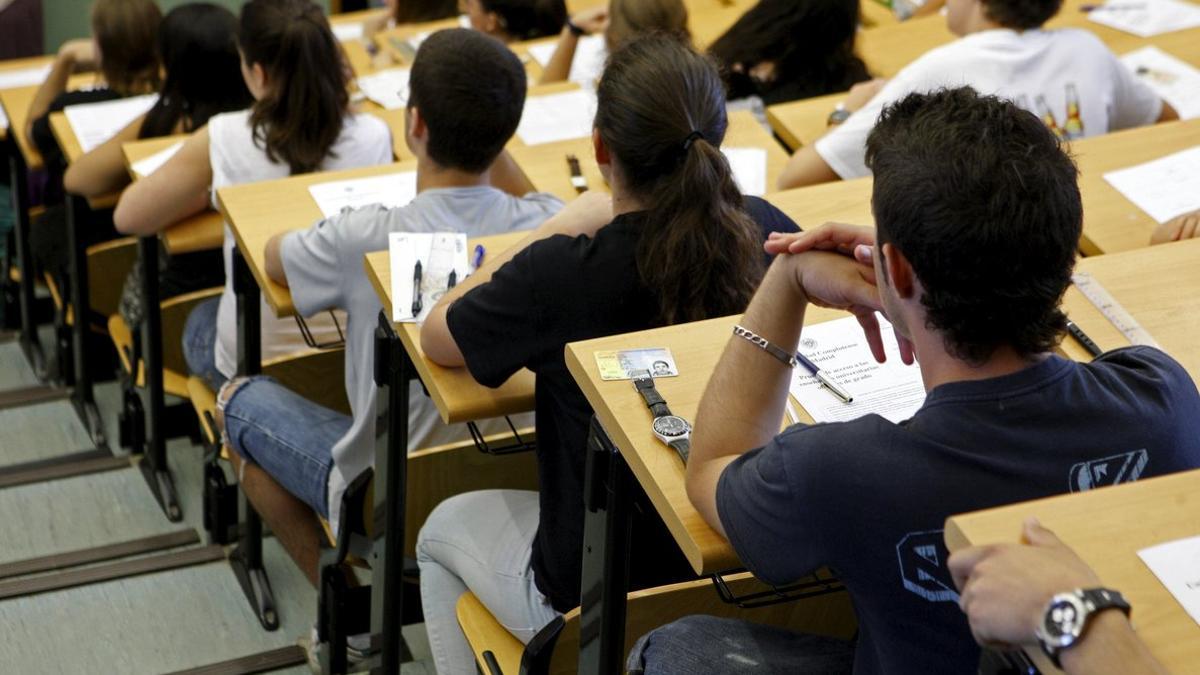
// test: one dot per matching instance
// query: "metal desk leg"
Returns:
(19, 184)
(393, 372)
(605, 573)
(246, 559)
(154, 463)
(77, 219)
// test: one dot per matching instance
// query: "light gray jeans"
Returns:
(481, 542)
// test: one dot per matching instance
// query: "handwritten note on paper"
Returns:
(749, 169)
(439, 253)
(95, 123)
(1177, 566)
(892, 390)
(149, 165)
(1146, 18)
(588, 65)
(1177, 82)
(390, 190)
(388, 88)
(1163, 188)
(557, 117)
(346, 32)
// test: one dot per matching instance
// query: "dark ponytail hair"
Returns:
(198, 47)
(300, 117)
(529, 19)
(661, 114)
(418, 11)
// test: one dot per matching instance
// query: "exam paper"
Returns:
(1177, 566)
(345, 32)
(438, 253)
(25, 77)
(154, 162)
(749, 169)
(1146, 18)
(3, 118)
(95, 123)
(391, 190)
(1177, 82)
(588, 65)
(1163, 188)
(557, 117)
(388, 88)
(892, 390)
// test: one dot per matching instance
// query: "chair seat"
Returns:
(486, 634)
(174, 383)
(204, 400)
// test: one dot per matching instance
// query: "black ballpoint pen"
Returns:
(416, 306)
(1082, 338)
(453, 280)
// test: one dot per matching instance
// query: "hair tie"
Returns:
(692, 138)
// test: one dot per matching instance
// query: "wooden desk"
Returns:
(11, 65)
(16, 104)
(394, 119)
(546, 165)
(458, 397)
(203, 232)
(258, 211)
(357, 51)
(1107, 527)
(1159, 286)
(72, 151)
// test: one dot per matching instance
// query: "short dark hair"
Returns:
(529, 19)
(470, 90)
(983, 201)
(1021, 14)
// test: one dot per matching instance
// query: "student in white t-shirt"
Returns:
(300, 122)
(1068, 77)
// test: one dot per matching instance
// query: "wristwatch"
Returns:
(575, 29)
(1067, 615)
(670, 429)
(839, 115)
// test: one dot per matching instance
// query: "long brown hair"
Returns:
(628, 18)
(661, 114)
(126, 32)
(300, 117)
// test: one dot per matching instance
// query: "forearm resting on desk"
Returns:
(1110, 647)
(180, 188)
(102, 171)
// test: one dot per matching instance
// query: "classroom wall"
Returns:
(66, 19)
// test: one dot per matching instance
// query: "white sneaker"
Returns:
(358, 651)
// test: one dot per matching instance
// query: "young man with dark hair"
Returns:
(977, 218)
(1066, 76)
(467, 93)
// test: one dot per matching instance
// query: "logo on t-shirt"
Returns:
(1123, 468)
(1072, 126)
(923, 567)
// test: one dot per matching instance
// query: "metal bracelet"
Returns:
(762, 343)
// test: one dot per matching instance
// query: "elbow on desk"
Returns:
(125, 219)
(439, 345)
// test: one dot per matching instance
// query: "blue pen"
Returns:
(823, 378)
(479, 252)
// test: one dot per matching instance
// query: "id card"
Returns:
(620, 365)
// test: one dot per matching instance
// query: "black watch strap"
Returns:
(654, 400)
(1096, 600)
(683, 446)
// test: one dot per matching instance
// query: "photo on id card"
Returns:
(620, 365)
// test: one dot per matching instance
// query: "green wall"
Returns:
(66, 19)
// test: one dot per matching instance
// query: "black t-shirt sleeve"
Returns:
(769, 218)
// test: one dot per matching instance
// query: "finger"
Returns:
(864, 254)
(908, 355)
(870, 326)
(962, 564)
(1038, 535)
(1189, 228)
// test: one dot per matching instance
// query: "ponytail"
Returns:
(300, 116)
(661, 114)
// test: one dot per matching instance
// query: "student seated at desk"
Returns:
(1006, 592)
(682, 245)
(123, 50)
(783, 50)
(198, 47)
(1186, 226)
(978, 216)
(1067, 76)
(300, 122)
(620, 20)
(466, 95)
(516, 20)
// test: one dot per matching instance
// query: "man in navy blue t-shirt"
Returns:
(977, 218)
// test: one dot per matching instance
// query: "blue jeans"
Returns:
(287, 435)
(200, 343)
(706, 644)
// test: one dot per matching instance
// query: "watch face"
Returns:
(672, 426)
(1064, 619)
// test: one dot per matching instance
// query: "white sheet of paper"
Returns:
(345, 32)
(3, 118)
(749, 169)
(95, 123)
(557, 117)
(439, 253)
(25, 77)
(1177, 566)
(391, 190)
(154, 162)
(893, 390)
(1177, 82)
(388, 88)
(1164, 187)
(590, 55)
(1146, 18)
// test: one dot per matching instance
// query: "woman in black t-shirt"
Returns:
(678, 244)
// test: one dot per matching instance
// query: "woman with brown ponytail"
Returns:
(300, 122)
(679, 244)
